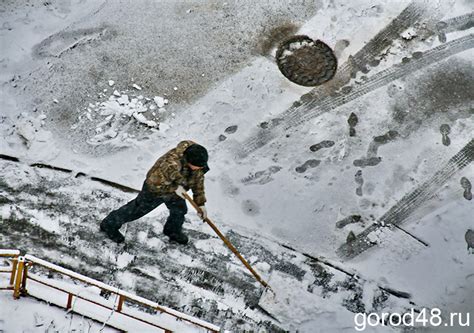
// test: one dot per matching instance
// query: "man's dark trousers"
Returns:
(144, 203)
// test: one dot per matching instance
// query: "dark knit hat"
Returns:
(196, 155)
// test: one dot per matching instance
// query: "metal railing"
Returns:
(20, 275)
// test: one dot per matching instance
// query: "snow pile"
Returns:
(114, 116)
(28, 130)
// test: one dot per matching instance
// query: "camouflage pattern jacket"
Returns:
(171, 170)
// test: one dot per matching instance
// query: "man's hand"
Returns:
(180, 191)
(202, 212)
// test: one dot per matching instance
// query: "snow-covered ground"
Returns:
(71, 98)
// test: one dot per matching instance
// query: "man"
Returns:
(180, 169)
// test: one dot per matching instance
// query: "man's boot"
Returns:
(113, 233)
(177, 236)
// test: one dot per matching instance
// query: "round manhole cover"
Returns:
(305, 61)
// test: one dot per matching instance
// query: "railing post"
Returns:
(24, 278)
(120, 303)
(69, 301)
(12, 276)
(18, 278)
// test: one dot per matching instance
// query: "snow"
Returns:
(305, 311)
(211, 245)
(116, 319)
(263, 194)
(123, 100)
(160, 101)
(9, 253)
(167, 317)
(124, 259)
(38, 316)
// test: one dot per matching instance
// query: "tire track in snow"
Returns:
(416, 11)
(398, 213)
(458, 23)
(318, 107)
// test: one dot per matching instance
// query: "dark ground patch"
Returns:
(270, 38)
(156, 45)
(441, 95)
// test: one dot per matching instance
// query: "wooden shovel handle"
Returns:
(228, 243)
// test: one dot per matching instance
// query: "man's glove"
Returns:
(180, 191)
(202, 212)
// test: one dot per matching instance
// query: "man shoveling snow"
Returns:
(180, 169)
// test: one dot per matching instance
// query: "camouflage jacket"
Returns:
(171, 170)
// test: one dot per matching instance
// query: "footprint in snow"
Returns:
(364, 162)
(352, 121)
(469, 236)
(322, 144)
(306, 165)
(466, 185)
(348, 220)
(445, 130)
(272, 123)
(381, 140)
(231, 129)
(359, 181)
(371, 158)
